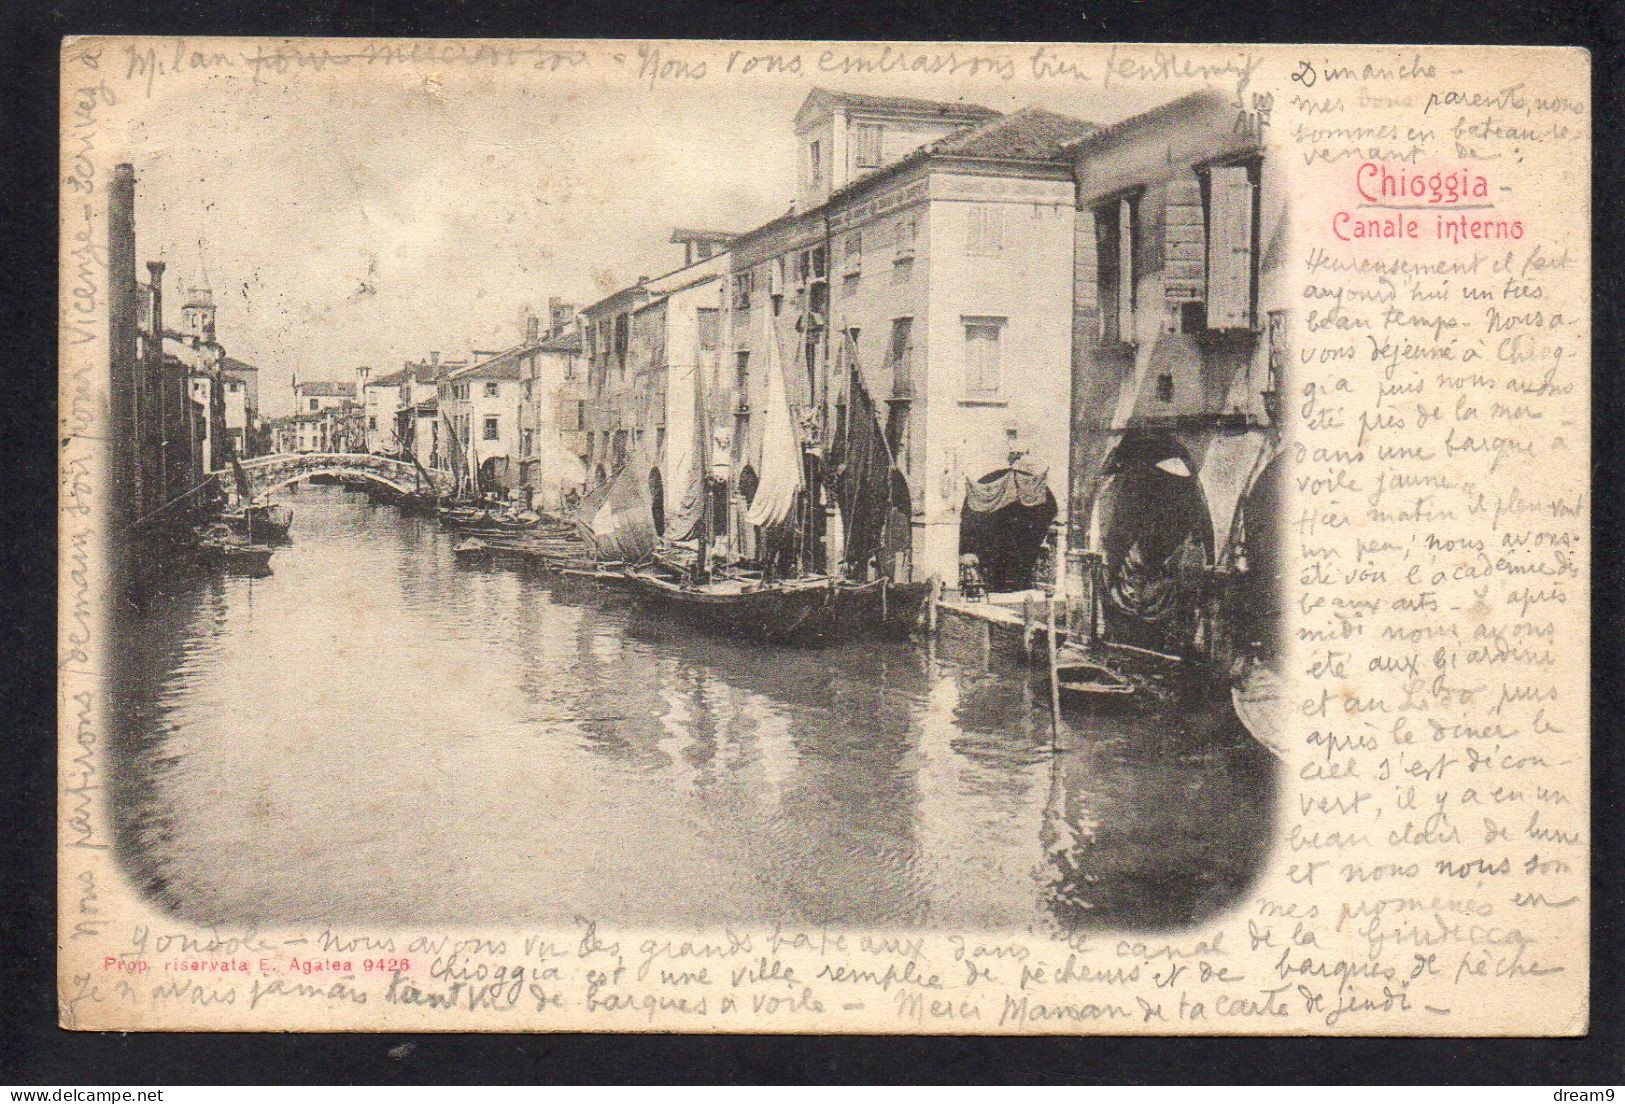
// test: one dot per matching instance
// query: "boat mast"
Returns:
(702, 441)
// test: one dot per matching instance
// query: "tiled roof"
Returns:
(232, 364)
(1031, 134)
(502, 366)
(394, 379)
(325, 389)
(1205, 100)
(884, 104)
(562, 343)
(682, 234)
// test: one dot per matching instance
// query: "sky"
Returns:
(355, 217)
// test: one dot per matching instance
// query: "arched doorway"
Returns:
(1261, 584)
(1007, 516)
(1151, 522)
(657, 500)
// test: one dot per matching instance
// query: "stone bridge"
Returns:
(267, 473)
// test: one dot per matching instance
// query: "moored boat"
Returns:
(797, 611)
(217, 546)
(879, 605)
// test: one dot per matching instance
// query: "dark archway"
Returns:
(1153, 526)
(599, 476)
(1007, 516)
(657, 500)
(1262, 584)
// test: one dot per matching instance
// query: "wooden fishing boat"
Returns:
(418, 503)
(471, 550)
(218, 547)
(265, 523)
(797, 611)
(878, 606)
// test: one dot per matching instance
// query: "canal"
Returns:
(377, 735)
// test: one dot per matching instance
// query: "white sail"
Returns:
(781, 451)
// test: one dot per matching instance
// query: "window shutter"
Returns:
(1185, 242)
(1125, 270)
(1085, 273)
(1230, 248)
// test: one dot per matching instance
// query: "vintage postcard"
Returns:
(824, 537)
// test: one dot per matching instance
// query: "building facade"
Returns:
(933, 244)
(479, 405)
(1180, 346)
(551, 467)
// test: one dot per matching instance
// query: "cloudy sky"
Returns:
(369, 215)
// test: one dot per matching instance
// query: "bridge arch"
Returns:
(265, 474)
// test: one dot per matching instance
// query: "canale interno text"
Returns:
(1395, 199)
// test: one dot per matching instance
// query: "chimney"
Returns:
(434, 360)
(155, 270)
(559, 314)
(121, 264)
(123, 304)
(533, 329)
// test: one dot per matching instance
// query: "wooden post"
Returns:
(1027, 619)
(1054, 662)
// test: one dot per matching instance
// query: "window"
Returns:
(900, 354)
(1232, 246)
(1116, 238)
(1165, 388)
(744, 285)
(986, 231)
(815, 165)
(820, 263)
(982, 356)
(372, 421)
(527, 441)
(907, 230)
(491, 389)
(854, 253)
(708, 323)
(315, 404)
(529, 390)
(491, 429)
(866, 144)
(581, 414)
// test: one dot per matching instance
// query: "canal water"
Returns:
(378, 735)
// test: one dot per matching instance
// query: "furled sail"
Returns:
(455, 452)
(860, 464)
(624, 526)
(781, 450)
(683, 460)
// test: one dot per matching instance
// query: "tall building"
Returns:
(166, 400)
(1179, 352)
(932, 243)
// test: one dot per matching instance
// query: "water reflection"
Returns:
(377, 735)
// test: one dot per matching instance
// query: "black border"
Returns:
(34, 1052)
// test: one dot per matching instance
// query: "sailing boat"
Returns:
(727, 600)
(255, 519)
(868, 488)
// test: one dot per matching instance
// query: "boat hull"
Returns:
(877, 607)
(794, 613)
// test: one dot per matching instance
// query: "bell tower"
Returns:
(197, 310)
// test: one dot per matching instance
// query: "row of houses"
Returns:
(1062, 322)
(179, 406)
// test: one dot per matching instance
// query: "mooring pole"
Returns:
(1054, 663)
